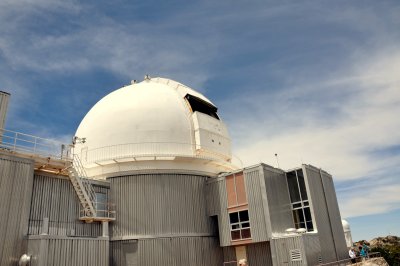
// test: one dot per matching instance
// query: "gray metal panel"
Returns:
(159, 205)
(260, 225)
(16, 176)
(66, 251)
(259, 254)
(53, 197)
(217, 204)
(320, 212)
(229, 253)
(178, 251)
(282, 247)
(312, 248)
(278, 200)
(334, 215)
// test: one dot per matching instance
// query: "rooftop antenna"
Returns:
(277, 161)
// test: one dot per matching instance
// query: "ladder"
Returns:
(84, 190)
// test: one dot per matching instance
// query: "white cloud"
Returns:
(370, 200)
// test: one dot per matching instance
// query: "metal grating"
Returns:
(295, 255)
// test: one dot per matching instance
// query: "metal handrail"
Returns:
(358, 259)
(82, 176)
(153, 149)
(107, 212)
(25, 143)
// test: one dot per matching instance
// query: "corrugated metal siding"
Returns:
(278, 200)
(320, 212)
(178, 251)
(69, 251)
(217, 204)
(334, 215)
(282, 247)
(312, 248)
(258, 206)
(159, 205)
(229, 253)
(16, 176)
(54, 197)
(259, 254)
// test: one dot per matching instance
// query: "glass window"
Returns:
(244, 216)
(299, 199)
(234, 217)
(303, 190)
(240, 225)
(293, 186)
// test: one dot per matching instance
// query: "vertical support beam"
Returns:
(45, 226)
(105, 228)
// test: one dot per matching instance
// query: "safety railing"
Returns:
(152, 149)
(349, 260)
(82, 176)
(104, 210)
(25, 143)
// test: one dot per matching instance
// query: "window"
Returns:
(202, 106)
(299, 199)
(240, 225)
(101, 203)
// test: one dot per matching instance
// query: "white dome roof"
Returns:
(345, 225)
(152, 125)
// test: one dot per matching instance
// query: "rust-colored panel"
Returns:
(231, 191)
(240, 189)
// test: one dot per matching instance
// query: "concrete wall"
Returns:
(16, 176)
(54, 198)
(67, 251)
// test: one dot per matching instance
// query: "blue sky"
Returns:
(316, 82)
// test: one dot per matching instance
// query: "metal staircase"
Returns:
(83, 189)
(86, 194)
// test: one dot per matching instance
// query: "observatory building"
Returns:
(149, 180)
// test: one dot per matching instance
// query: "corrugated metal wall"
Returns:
(282, 247)
(63, 251)
(334, 215)
(177, 251)
(217, 204)
(54, 197)
(16, 175)
(312, 248)
(159, 205)
(278, 199)
(260, 225)
(320, 212)
(229, 253)
(259, 254)
(167, 215)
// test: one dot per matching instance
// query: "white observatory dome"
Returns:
(155, 125)
(346, 226)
